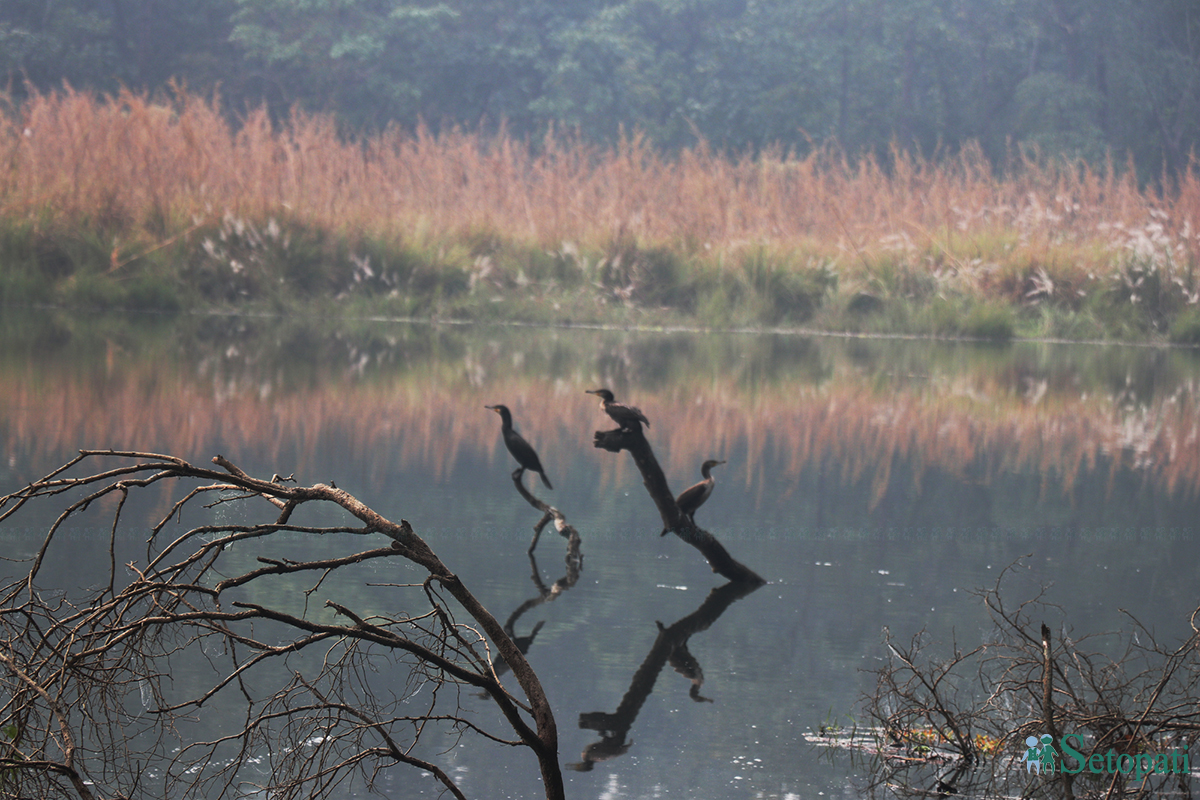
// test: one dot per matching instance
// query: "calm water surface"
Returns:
(872, 483)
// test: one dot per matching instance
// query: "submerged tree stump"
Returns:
(673, 519)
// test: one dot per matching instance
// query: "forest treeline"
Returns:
(1072, 77)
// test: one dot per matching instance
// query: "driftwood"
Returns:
(673, 519)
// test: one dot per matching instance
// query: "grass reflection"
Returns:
(403, 395)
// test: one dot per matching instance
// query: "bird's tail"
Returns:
(545, 480)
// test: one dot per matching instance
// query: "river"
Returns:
(872, 482)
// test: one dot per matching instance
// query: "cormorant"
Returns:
(694, 496)
(628, 417)
(520, 449)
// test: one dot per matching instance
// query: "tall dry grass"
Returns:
(126, 162)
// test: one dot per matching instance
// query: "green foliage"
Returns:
(898, 276)
(26, 266)
(1185, 329)
(1049, 322)
(371, 61)
(244, 260)
(959, 317)
(1149, 286)
(76, 268)
(1074, 80)
(1059, 116)
(143, 43)
(794, 295)
(647, 277)
(282, 264)
(992, 322)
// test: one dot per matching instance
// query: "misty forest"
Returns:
(1069, 77)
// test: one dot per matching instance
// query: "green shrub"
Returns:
(91, 290)
(894, 276)
(652, 277)
(18, 286)
(1052, 322)
(992, 322)
(1152, 288)
(1185, 329)
(944, 317)
(148, 293)
(786, 291)
(796, 295)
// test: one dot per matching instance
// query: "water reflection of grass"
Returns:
(413, 397)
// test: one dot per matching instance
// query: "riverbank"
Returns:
(123, 203)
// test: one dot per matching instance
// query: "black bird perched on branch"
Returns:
(521, 450)
(628, 417)
(694, 496)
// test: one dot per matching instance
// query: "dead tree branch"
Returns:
(1121, 695)
(88, 707)
(656, 485)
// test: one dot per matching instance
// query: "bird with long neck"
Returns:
(628, 417)
(695, 495)
(521, 450)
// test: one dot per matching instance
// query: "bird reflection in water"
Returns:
(607, 748)
(683, 662)
(670, 647)
(523, 643)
